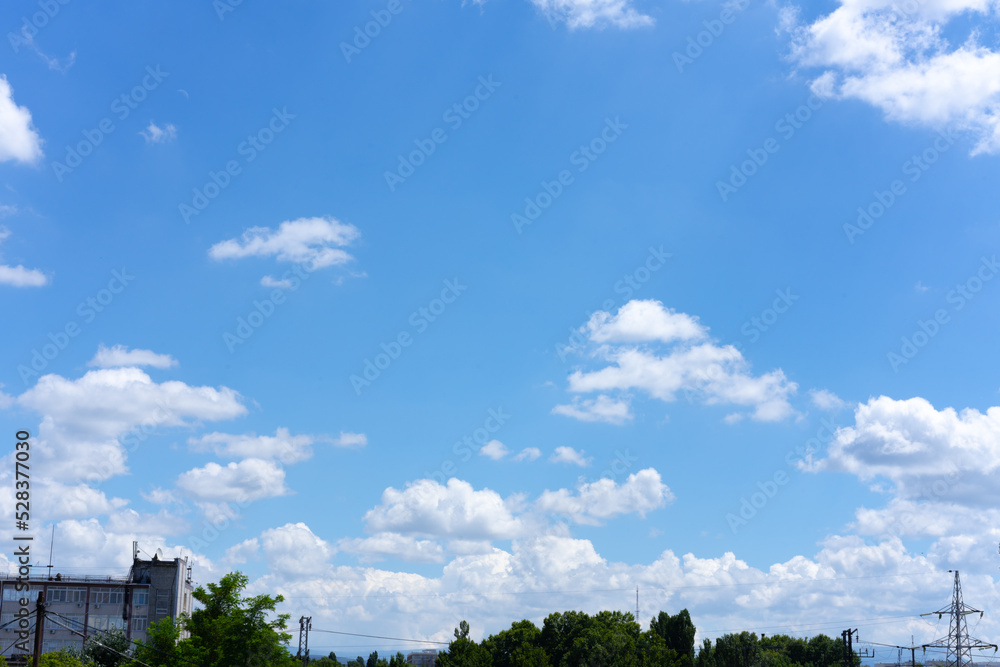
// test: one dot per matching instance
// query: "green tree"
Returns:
(463, 652)
(678, 632)
(372, 659)
(517, 647)
(740, 650)
(233, 631)
(706, 656)
(398, 660)
(61, 658)
(160, 648)
(107, 649)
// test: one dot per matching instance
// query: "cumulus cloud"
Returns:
(698, 368)
(896, 57)
(402, 547)
(456, 510)
(154, 134)
(294, 550)
(241, 482)
(593, 13)
(315, 242)
(643, 321)
(88, 422)
(494, 449)
(119, 355)
(282, 446)
(18, 276)
(19, 141)
(925, 454)
(594, 502)
(571, 456)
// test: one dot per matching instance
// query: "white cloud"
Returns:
(316, 242)
(282, 446)
(593, 502)
(600, 409)
(926, 454)
(88, 422)
(641, 321)
(428, 509)
(571, 456)
(895, 56)
(702, 370)
(528, 454)
(593, 13)
(294, 550)
(18, 276)
(494, 449)
(348, 439)
(119, 355)
(243, 481)
(394, 545)
(827, 400)
(18, 138)
(154, 134)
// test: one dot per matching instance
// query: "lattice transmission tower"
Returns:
(958, 643)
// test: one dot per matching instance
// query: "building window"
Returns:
(11, 594)
(106, 596)
(161, 602)
(72, 621)
(139, 624)
(140, 597)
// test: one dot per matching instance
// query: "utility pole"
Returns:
(958, 643)
(39, 622)
(305, 625)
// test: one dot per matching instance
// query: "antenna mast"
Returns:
(958, 642)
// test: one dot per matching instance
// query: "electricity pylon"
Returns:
(958, 642)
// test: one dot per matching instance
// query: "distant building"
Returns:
(424, 658)
(77, 607)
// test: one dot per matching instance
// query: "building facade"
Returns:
(77, 607)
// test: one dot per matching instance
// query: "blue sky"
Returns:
(689, 296)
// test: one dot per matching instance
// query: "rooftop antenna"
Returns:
(52, 543)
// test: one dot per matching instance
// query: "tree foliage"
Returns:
(614, 639)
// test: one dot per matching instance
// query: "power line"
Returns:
(396, 639)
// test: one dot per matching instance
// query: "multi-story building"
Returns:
(77, 607)
(424, 658)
